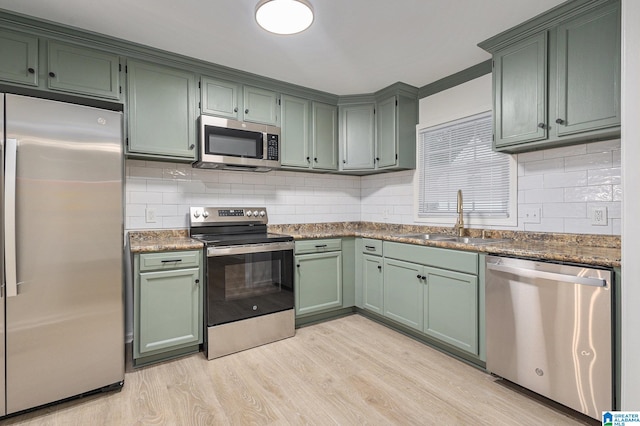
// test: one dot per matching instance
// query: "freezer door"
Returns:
(64, 327)
(3, 409)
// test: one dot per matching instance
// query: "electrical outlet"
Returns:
(385, 213)
(150, 215)
(599, 216)
(530, 215)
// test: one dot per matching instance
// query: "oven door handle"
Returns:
(249, 248)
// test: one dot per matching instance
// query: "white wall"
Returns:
(631, 205)
(563, 184)
(170, 189)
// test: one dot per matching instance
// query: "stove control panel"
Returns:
(200, 216)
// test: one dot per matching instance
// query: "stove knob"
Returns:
(196, 214)
(263, 213)
(255, 213)
(249, 213)
(205, 214)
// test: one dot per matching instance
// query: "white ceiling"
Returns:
(354, 46)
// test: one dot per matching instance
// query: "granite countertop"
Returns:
(164, 240)
(597, 250)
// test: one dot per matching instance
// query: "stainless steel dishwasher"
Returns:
(549, 329)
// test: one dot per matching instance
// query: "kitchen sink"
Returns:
(432, 237)
(453, 239)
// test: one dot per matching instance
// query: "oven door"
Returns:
(248, 281)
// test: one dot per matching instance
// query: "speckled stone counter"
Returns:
(164, 240)
(599, 250)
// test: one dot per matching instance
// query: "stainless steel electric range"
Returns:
(249, 279)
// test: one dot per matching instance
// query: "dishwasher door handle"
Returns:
(532, 273)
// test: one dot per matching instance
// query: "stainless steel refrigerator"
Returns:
(61, 312)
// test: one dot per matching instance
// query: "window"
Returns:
(458, 155)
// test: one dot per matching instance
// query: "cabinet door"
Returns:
(260, 106)
(295, 132)
(169, 310)
(373, 284)
(520, 103)
(318, 282)
(219, 97)
(162, 119)
(357, 136)
(589, 72)
(386, 133)
(19, 53)
(325, 136)
(451, 308)
(403, 292)
(81, 70)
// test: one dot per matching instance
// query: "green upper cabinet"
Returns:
(588, 55)
(396, 120)
(561, 84)
(324, 136)
(162, 112)
(295, 132)
(19, 53)
(357, 131)
(520, 84)
(260, 105)
(219, 97)
(77, 69)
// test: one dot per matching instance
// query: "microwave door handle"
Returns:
(11, 151)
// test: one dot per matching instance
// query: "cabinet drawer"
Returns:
(455, 260)
(169, 260)
(370, 246)
(318, 246)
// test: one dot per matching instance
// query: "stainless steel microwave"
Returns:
(234, 145)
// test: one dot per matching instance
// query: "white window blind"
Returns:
(458, 155)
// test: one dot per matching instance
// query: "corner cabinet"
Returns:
(162, 112)
(560, 85)
(318, 276)
(379, 134)
(168, 305)
(309, 134)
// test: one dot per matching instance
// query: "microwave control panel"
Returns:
(273, 147)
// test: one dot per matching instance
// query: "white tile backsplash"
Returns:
(565, 184)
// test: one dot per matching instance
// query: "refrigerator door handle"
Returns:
(11, 150)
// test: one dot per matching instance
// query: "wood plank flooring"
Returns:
(346, 371)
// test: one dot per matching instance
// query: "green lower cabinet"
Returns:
(372, 283)
(318, 282)
(403, 292)
(168, 305)
(451, 308)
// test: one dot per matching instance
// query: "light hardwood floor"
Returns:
(345, 371)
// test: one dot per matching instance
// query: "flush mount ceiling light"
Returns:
(284, 16)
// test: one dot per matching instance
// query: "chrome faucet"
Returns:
(459, 226)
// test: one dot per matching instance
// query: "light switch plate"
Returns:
(599, 216)
(150, 214)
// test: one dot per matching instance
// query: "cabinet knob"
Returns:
(308, 160)
(377, 158)
(542, 125)
(52, 74)
(419, 276)
(191, 147)
(246, 111)
(31, 70)
(298, 265)
(315, 159)
(379, 268)
(560, 121)
(344, 161)
(197, 282)
(235, 109)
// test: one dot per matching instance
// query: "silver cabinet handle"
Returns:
(531, 273)
(11, 151)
